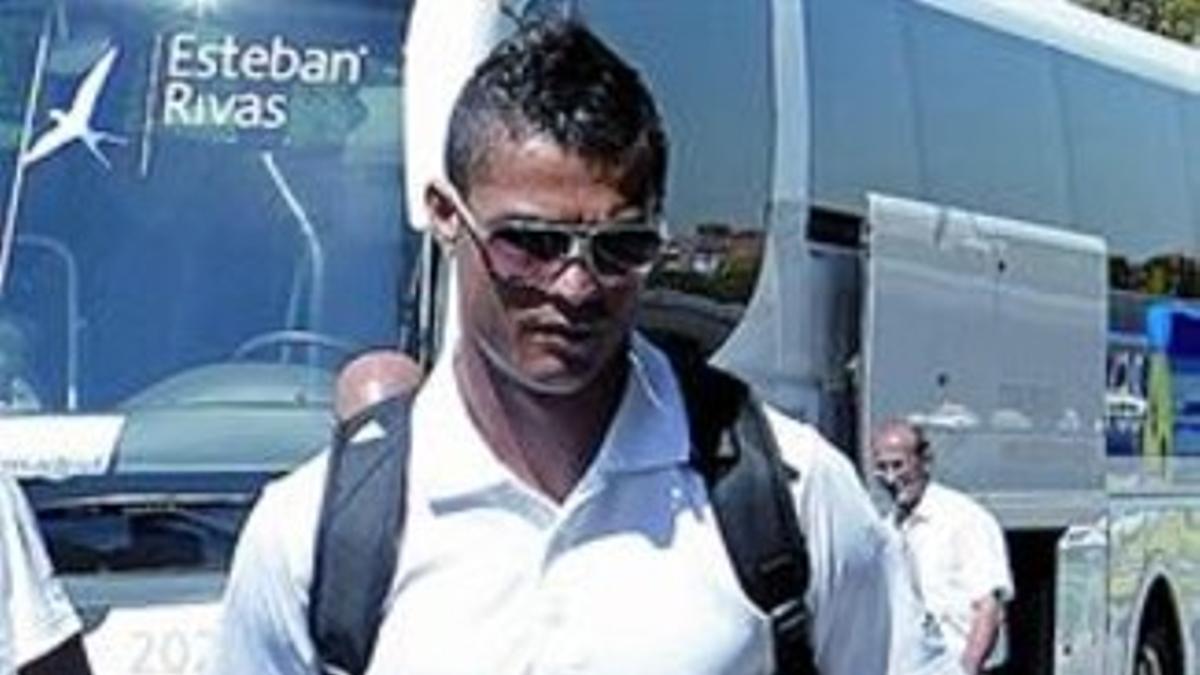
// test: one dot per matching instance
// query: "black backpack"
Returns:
(363, 513)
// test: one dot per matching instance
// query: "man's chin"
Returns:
(546, 374)
(558, 377)
(909, 498)
(553, 367)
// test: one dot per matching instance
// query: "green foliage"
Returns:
(1171, 275)
(1177, 19)
(733, 281)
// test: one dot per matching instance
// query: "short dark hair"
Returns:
(920, 440)
(555, 78)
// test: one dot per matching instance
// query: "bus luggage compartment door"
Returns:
(991, 334)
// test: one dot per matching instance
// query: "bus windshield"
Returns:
(190, 188)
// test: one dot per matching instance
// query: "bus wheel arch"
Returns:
(1159, 646)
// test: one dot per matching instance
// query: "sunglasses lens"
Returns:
(523, 247)
(623, 251)
(534, 254)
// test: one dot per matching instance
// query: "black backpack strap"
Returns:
(734, 449)
(357, 546)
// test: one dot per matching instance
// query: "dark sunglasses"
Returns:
(536, 251)
(540, 250)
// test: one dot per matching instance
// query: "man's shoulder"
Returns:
(282, 525)
(947, 497)
(832, 505)
(848, 550)
(958, 504)
(827, 488)
(300, 488)
(264, 626)
(810, 454)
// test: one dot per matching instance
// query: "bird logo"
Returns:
(76, 124)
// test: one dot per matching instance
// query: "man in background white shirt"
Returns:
(955, 548)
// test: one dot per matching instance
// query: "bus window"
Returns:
(718, 193)
(1173, 332)
(196, 184)
(201, 217)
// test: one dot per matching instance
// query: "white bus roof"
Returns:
(1036, 110)
(1075, 30)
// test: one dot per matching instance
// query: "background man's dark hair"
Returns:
(920, 441)
(556, 79)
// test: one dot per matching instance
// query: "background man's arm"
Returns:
(987, 616)
(988, 580)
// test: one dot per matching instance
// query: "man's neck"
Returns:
(547, 440)
(904, 512)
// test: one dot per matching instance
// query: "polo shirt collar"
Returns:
(650, 429)
(926, 507)
(450, 458)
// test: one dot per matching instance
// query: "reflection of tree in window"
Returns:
(1172, 275)
(718, 260)
(1176, 19)
(1122, 274)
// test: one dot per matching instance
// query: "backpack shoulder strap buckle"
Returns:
(790, 619)
(792, 646)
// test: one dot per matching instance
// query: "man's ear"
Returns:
(442, 208)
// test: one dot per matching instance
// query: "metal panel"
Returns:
(991, 334)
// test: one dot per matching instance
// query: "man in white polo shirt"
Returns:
(955, 547)
(554, 521)
(39, 631)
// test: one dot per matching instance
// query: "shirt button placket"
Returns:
(561, 650)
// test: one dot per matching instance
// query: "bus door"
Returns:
(990, 334)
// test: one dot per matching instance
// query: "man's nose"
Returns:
(576, 283)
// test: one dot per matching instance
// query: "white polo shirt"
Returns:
(628, 575)
(957, 549)
(35, 612)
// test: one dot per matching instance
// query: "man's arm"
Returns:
(985, 626)
(850, 630)
(988, 579)
(856, 635)
(264, 626)
(69, 658)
